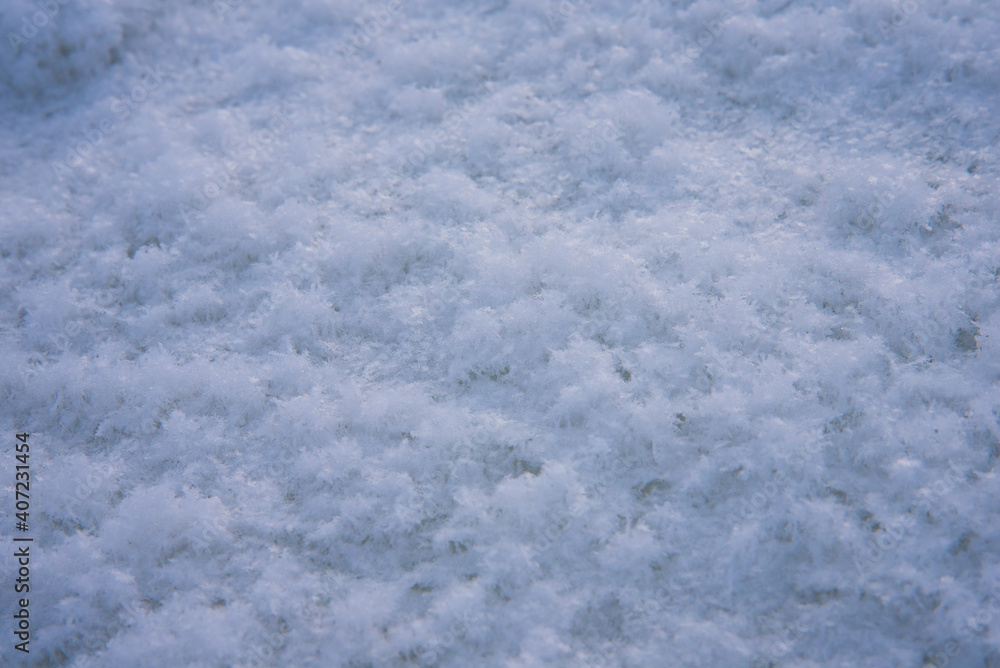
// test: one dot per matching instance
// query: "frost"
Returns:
(517, 333)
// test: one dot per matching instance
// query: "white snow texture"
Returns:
(506, 333)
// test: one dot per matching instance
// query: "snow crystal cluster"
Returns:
(512, 333)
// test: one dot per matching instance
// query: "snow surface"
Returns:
(507, 333)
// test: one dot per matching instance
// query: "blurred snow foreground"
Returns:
(513, 333)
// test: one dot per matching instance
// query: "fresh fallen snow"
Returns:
(504, 333)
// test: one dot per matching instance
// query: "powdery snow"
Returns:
(568, 333)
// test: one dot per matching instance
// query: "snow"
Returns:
(503, 334)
